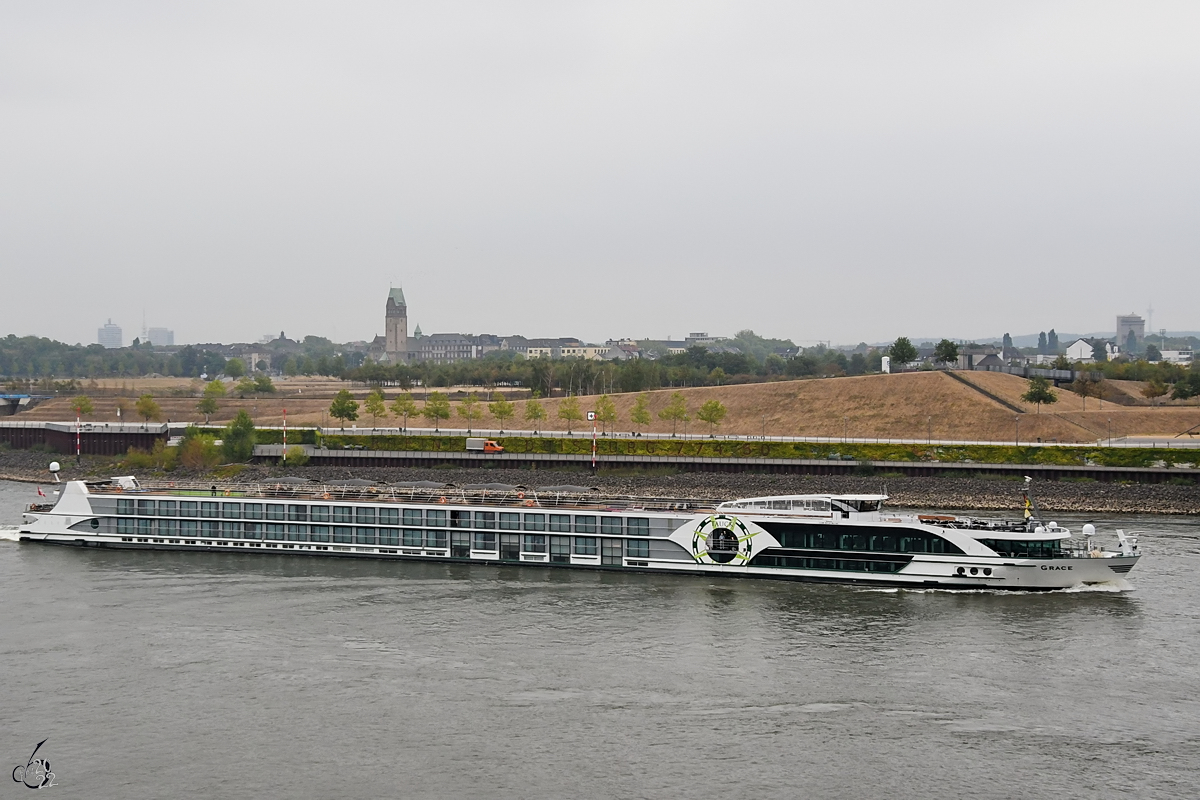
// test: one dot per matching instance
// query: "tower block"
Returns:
(397, 327)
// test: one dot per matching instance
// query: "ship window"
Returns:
(297, 533)
(250, 530)
(389, 536)
(611, 526)
(187, 527)
(560, 523)
(210, 529)
(364, 536)
(414, 537)
(389, 516)
(145, 527)
(460, 519)
(125, 525)
(884, 543)
(535, 522)
(610, 551)
(252, 511)
(560, 549)
(315, 513)
(211, 509)
(126, 506)
(534, 543)
(637, 548)
(414, 516)
(510, 521)
(297, 513)
(188, 508)
(637, 526)
(460, 544)
(231, 530)
(343, 534)
(809, 536)
(273, 530)
(364, 516)
(318, 533)
(343, 514)
(275, 511)
(435, 518)
(435, 539)
(768, 559)
(167, 527)
(585, 545)
(1013, 548)
(146, 508)
(231, 510)
(485, 541)
(585, 525)
(510, 546)
(166, 508)
(485, 519)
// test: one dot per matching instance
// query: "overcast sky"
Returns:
(837, 171)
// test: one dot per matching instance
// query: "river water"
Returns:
(211, 675)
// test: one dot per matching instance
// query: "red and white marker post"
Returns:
(285, 436)
(592, 419)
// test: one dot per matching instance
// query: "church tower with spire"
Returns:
(396, 322)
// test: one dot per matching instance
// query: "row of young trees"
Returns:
(437, 408)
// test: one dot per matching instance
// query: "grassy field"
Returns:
(912, 405)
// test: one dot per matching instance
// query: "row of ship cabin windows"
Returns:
(460, 543)
(359, 515)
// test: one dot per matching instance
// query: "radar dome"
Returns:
(1089, 530)
(54, 466)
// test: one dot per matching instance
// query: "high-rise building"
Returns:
(160, 337)
(396, 322)
(1127, 323)
(110, 336)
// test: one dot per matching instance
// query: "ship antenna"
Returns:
(1032, 512)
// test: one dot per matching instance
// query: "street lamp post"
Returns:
(929, 430)
(1110, 433)
(845, 429)
(1018, 439)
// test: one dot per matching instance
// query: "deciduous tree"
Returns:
(235, 368)
(640, 413)
(147, 409)
(501, 409)
(902, 351)
(209, 405)
(606, 412)
(437, 408)
(82, 406)
(469, 410)
(569, 411)
(713, 412)
(675, 411)
(237, 441)
(1039, 392)
(374, 405)
(404, 406)
(946, 351)
(534, 413)
(1154, 390)
(344, 407)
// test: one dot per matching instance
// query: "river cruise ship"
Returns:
(834, 538)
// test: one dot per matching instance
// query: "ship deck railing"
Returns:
(515, 498)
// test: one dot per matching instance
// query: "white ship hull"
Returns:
(810, 541)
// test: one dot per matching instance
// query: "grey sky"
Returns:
(832, 170)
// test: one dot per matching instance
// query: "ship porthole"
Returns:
(95, 524)
(962, 571)
(987, 570)
(974, 571)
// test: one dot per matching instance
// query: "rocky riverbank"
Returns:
(923, 493)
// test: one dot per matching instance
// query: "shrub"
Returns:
(199, 452)
(296, 456)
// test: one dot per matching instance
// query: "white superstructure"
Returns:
(832, 538)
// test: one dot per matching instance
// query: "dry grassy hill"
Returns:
(908, 405)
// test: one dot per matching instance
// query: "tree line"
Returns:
(437, 408)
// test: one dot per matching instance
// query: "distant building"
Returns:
(396, 327)
(161, 337)
(110, 336)
(1177, 356)
(1082, 350)
(1128, 323)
